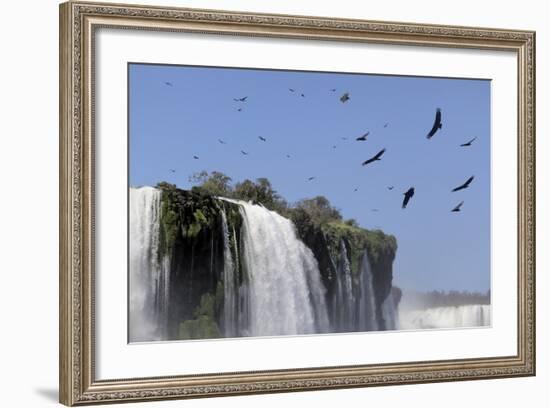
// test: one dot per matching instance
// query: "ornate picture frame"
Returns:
(79, 22)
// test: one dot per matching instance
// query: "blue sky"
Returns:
(438, 249)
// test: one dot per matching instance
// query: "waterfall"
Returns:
(283, 294)
(343, 314)
(149, 277)
(367, 305)
(389, 312)
(229, 284)
(445, 317)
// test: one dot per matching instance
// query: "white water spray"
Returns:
(149, 276)
(285, 294)
(445, 317)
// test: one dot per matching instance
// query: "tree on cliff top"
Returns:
(215, 183)
(319, 209)
(261, 192)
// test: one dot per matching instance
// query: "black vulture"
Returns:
(390, 187)
(363, 137)
(168, 84)
(408, 195)
(468, 143)
(302, 95)
(291, 90)
(375, 157)
(263, 139)
(196, 157)
(310, 178)
(457, 208)
(243, 99)
(345, 97)
(465, 185)
(245, 153)
(221, 141)
(437, 124)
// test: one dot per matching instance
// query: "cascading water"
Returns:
(389, 312)
(149, 276)
(230, 322)
(284, 294)
(367, 305)
(343, 315)
(445, 317)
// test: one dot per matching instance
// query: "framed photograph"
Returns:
(256, 203)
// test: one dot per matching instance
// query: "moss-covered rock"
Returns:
(191, 237)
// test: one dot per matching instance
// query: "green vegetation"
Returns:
(204, 325)
(185, 214)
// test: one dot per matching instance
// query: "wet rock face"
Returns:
(325, 241)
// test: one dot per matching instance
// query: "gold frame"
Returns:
(78, 21)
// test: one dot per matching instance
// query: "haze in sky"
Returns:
(178, 112)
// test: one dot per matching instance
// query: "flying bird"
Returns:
(243, 152)
(196, 157)
(457, 208)
(334, 146)
(240, 109)
(263, 139)
(302, 95)
(375, 157)
(333, 90)
(310, 178)
(386, 125)
(221, 141)
(288, 156)
(345, 97)
(243, 99)
(344, 138)
(408, 195)
(437, 124)
(172, 170)
(291, 90)
(355, 189)
(390, 187)
(363, 138)
(468, 143)
(465, 185)
(168, 84)
(374, 210)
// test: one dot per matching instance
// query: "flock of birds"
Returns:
(344, 98)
